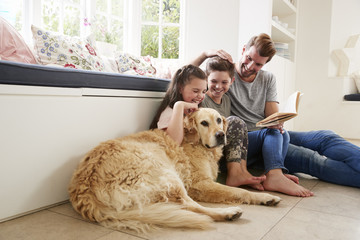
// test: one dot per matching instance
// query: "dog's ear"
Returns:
(225, 124)
(190, 130)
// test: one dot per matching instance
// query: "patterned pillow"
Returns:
(141, 65)
(71, 52)
(13, 46)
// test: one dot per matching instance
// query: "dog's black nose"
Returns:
(220, 137)
(219, 134)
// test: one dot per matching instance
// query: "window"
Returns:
(160, 28)
(60, 16)
(11, 10)
(108, 22)
(141, 27)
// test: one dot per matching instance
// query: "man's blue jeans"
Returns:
(268, 145)
(325, 155)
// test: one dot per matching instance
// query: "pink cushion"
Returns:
(13, 46)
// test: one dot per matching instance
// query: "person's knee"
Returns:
(286, 136)
(276, 132)
(235, 122)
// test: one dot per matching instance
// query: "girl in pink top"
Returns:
(186, 91)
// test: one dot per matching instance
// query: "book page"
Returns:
(287, 112)
(291, 104)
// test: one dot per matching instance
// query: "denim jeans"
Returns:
(325, 155)
(268, 146)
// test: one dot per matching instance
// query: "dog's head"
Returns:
(205, 125)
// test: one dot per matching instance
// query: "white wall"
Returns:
(344, 23)
(324, 25)
(254, 18)
(211, 24)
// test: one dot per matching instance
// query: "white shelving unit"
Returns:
(284, 24)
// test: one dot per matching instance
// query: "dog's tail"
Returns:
(157, 215)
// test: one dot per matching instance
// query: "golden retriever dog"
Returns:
(145, 180)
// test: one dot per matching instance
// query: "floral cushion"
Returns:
(71, 52)
(141, 65)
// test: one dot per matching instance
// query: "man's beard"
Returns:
(244, 73)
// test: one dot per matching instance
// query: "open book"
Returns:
(287, 111)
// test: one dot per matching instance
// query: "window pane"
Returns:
(117, 31)
(11, 10)
(150, 41)
(50, 15)
(170, 43)
(71, 21)
(99, 28)
(171, 11)
(101, 5)
(75, 2)
(150, 10)
(117, 8)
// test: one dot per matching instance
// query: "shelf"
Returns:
(283, 8)
(281, 34)
(284, 26)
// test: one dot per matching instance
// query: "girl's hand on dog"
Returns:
(188, 107)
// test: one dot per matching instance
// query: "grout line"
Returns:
(279, 221)
(328, 213)
(291, 208)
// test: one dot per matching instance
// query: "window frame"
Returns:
(32, 14)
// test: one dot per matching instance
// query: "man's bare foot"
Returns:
(238, 175)
(293, 178)
(278, 182)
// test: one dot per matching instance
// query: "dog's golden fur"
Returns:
(146, 180)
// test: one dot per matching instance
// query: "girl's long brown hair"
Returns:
(182, 77)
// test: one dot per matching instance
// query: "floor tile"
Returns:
(334, 199)
(115, 235)
(67, 210)
(50, 225)
(253, 224)
(305, 224)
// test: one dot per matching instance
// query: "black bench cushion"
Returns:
(352, 97)
(40, 75)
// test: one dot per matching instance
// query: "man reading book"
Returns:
(253, 97)
(322, 154)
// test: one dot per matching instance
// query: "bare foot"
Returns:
(278, 182)
(238, 175)
(293, 178)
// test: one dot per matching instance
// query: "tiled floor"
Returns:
(333, 213)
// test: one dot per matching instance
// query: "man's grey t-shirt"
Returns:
(248, 99)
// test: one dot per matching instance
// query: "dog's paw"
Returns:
(233, 213)
(271, 200)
